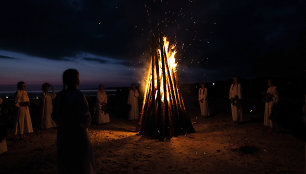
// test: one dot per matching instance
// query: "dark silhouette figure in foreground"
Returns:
(72, 117)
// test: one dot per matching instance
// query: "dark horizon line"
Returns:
(93, 86)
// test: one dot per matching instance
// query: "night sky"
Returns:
(108, 40)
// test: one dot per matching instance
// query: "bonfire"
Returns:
(163, 110)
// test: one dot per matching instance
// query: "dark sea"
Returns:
(36, 94)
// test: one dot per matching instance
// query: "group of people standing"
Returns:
(235, 97)
(22, 102)
(69, 112)
(101, 108)
(23, 122)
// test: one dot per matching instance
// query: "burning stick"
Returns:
(163, 112)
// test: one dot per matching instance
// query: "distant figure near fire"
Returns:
(72, 117)
(203, 100)
(271, 100)
(101, 101)
(133, 102)
(47, 106)
(235, 99)
(22, 102)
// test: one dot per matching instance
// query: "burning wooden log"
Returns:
(163, 111)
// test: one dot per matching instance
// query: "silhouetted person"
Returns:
(71, 114)
(22, 102)
(235, 99)
(133, 102)
(202, 97)
(101, 101)
(47, 106)
(270, 102)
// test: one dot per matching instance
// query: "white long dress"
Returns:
(235, 92)
(133, 102)
(46, 120)
(272, 91)
(203, 102)
(23, 121)
(101, 116)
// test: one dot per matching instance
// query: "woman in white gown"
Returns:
(235, 99)
(203, 100)
(46, 120)
(101, 115)
(133, 102)
(22, 102)
(3, 145)
(271, 100)
(72, 117)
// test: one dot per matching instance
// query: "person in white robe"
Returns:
(3, 145)
(101, 101)
(72, 117)
(133, 102)
(22, 102)
(235, 99)
(202, 97)
(47, 107)
(271, 100)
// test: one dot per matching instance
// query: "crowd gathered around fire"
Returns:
(235, 97)
(69, 112)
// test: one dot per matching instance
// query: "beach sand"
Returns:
(218, 146)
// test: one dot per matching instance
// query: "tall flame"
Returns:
(170, 74)
(163, 111)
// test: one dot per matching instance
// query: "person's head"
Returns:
(71, 79)
(21, 85)
(235, 79)
(101, 88)
(45, 87)
(202, 85)
(133, 86)
(270, 83)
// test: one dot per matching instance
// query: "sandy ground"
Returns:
(218, 146)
